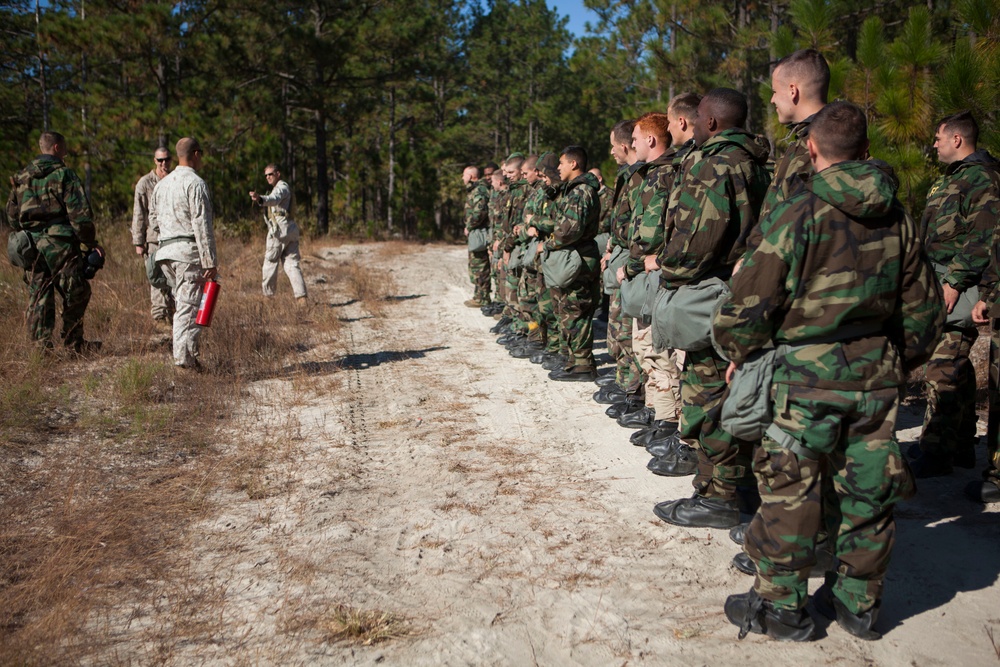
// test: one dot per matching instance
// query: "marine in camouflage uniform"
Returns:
(957, 228)
(577, 213)
(531, 281)
(496, 206)
(800, 83)
(841, 280)
(477, 217)
(629, 375)
(541, 206)
(646, 238)
(714, 206)
(517, 195)
(146, 238)
(48, 202)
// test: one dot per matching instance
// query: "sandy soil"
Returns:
(424, 473)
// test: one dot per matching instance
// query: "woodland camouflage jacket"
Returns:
(719, 191)
(839, 252)
(517, 195)
(477, 202)
(621, 214)
(576, 214)
(607, 197)
(48, 198)
(648, 200)
(961, 213)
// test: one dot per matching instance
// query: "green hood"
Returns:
(755, 146)
(586, 178)
(861, 189)
(42, 166)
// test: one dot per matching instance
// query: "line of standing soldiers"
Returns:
(816, 264)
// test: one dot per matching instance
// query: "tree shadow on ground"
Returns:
(342, 304)
(357, 361)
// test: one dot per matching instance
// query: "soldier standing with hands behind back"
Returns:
(282, 236)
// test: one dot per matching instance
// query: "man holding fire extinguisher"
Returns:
(182, 208)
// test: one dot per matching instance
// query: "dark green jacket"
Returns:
(48, 198)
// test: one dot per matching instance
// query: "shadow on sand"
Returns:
(357, 361)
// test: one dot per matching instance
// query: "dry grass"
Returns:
(348, 625)
(105, 461)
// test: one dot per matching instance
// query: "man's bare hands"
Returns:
(950, 297)
(980, 313)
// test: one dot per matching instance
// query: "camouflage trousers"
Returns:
(628, 372)
(548, 318)
(527, 300)
(845, 471)
(723, 460)
(950, 419)
(575, 306)
(992, 472)
(188, 285)
(161, 300)
(59, 268)
(287, 255)
(663, 379)
(479, 275)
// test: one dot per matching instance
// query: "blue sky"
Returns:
(578, 14)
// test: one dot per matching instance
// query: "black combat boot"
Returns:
(752, 613)
(860, 625)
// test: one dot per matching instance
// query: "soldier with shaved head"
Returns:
(841, 285)
(182, 209)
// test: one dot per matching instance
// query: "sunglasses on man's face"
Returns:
(161, 160)
(270, 174)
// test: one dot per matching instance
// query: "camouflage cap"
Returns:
(548, 164)
(516, 155)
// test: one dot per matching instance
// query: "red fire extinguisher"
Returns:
(207, 308)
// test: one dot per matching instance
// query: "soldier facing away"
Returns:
(182, 208)
(146, 237)
(48, 202)
(841, 284)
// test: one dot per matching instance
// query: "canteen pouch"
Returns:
(561, 267)
(21, 249)
(479, 239)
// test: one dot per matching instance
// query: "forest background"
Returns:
(373, 107)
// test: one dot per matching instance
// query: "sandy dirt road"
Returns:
(426, 474)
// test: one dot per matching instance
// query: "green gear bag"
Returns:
(21, 249)
(561, 267)
(154, 273)
(639, 295)
(746, 410)
(516, 258)
(684, 320)
(618, 259)
(479, 239)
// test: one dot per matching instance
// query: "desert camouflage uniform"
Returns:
(182, 208)
(282, 243)
(841, 277)
(646, 237)
(957, 227)
(477, 216)
(48, 201)
(629, 375)
(577, 212)
(145, 235)
(720, 189)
